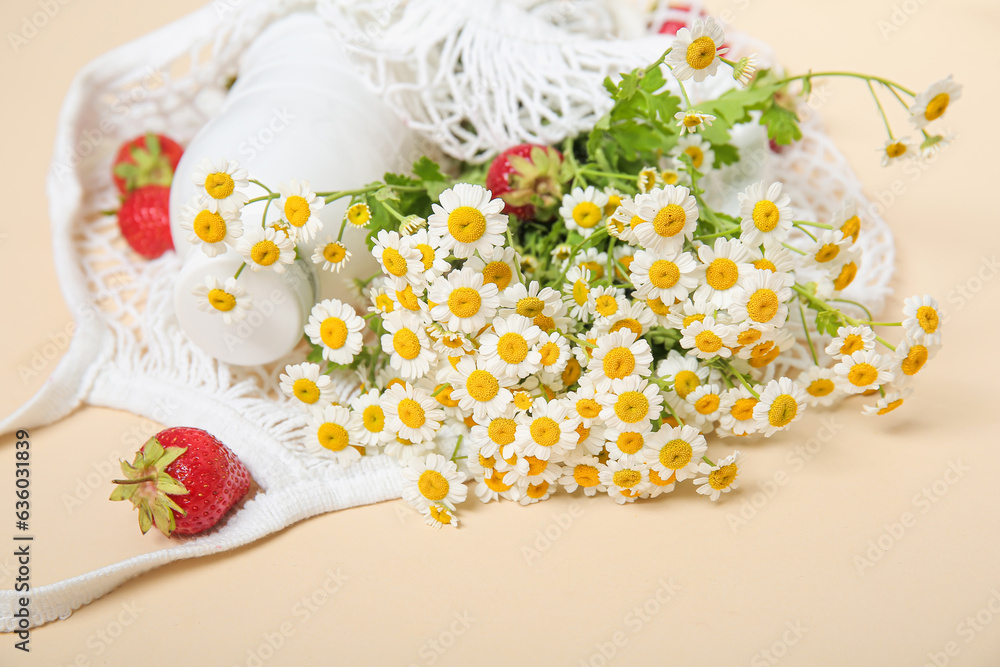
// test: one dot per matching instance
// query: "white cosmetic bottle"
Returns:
(298, 110)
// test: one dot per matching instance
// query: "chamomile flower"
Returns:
(675, 451)
(431, 480)
(622, 223)
(762, 300)
(583, 473)
(589, 439)
(848, 272)
(820, 385)
(697, 150)
(464, 302)
(683, 314)
(398, 257)
(606, 302)
(331, 255)
(619, 355)
(631, 403)
(706, 402)
(449, 343)
(433, 258)
(776, 259)
(299, 204)
(358, 214)
(511, 343)
(846, 220)
(908, 360)
(438, 516)
(373, 432)
(932, 103)
(634, 316)
(213, 231)
(668, 276)
(479, 388)
(381, 300)
(264, 249)
(583, 403)
(529, 301)
(468, 220)
(490, 485)
(220, 181)
(720, 478)
(707, 339)
(781, 404)
(627, 443)
(693, 120)
(304, 383)
(669, 216)
(830, 249)
(726, 265)
(583, 209)
(745, 68)
(553, 351)
(334, 433)
(647, 180)
(625, 479)
(529, 493)
(227, 299)
(862, 371)
(896, 150)
(408, 345)
(696, 51)
(336, 327)
(547, 432)
(576, 294)
(405, 299)
(923, 319)
(850, 340)
(765, 215)
(887, 403)
(498, 267)
(494, 436)
(594, 261)
(532, 470)
(411, 413)
(737, 407)
(683, 372)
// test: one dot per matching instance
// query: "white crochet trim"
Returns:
(129, 353)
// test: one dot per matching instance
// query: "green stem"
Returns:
(853, 75)
(240, 270)
(794, 249)
(859, 305)
(607, 174)
(578, 341)
(724, 232)
(392, 211)
(885, 119)
(708, 461)
(809, 223)
(596, 236)
(458, 444)
(804, 231)
(886, 343)
(805, 327)
(517, 264)
(343, 226)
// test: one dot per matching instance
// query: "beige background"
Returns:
(473, 592)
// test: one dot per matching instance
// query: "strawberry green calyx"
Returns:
(536, 180)
(149, 166)
(149, 487)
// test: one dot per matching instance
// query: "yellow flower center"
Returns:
(464, 301)
(766, 215)
(742, 409)
(937, 106)
(333, 437)
(685, 382)
(545, 431)
(550, 353)
(439, 514)
(433, 485)
(765, 264)
(647, 181)
(851, 227)
(586, 475)
(406, 344)
(522, 400)
(708, 341)
(821, 387)
(537, 491)
(928, 319)
(783, 410)
(426, 255)
(587, 214)
(333, 331)
(692, 120)
(498, 273)
(606, 305)
(614, 201)
(630, 442)
(670, 220)
(411, 413)
(209, 227)
(221, 300)
(915, 360)
(827, 253)
(407, 299)
(629, 323)
(846, 277)
(359, 215)
(467, 224)
(530, 307)
(891, 406)
(502, 430)
(581, 291)
(664, 274)
(444, 396)
(482, 386)
(697, 317)
(373, 418)
(219, 185)
(707, 404)
(676, 454)
(722, 273)
(701, 53)
(657, 306)
(394, 262)
(544, 322)
(723, 477)
(583, 432)
(306, 390)
(748, 337)
(862, 375)
(619, 363)
(588, 408)
(636, 221)
(571, 373)
(852, 343)
(655, 478)
(762, 305)
(265, 253)
(334, 253)
(670, 177)
(627, 478)
(895, 150)
(297, 211)
(696, 154)
(632, 407)
(596, 270)
(384, 303)
(495, 483)
(512, 348)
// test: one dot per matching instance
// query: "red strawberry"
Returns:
(529, 179)
(183, 480)
(144, 220)
(147, 160)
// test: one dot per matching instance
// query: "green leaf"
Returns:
(385, 194)
(123, 492)
(315, 355)
(427, 169)
(167, 484)
(170, 455)
(782, 124)
(725, 154)
(828, 321)
(163, 518)
(145, 518)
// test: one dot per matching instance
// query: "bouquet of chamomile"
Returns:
(578, 318)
